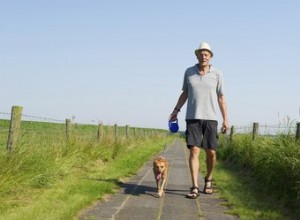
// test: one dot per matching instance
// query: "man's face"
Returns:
(204, 57)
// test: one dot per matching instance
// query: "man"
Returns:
(202, 84)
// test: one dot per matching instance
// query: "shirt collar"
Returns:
(210, 67)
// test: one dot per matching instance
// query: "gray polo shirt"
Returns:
(202, 92)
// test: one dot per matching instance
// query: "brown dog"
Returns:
(160, 170)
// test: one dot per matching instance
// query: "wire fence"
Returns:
(269, 129)
(31, 122)
(25, 117)
(291, 129)
(45, 130)
(31, 125)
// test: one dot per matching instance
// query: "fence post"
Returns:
(134, 132)
(100, 131)
(68, 128)
(298, 131)
(127, 131)
(116, 132)
(255, 130)
(231, 133)
(15, 124)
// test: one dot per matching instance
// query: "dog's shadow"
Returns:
(138, 190)
(131, 188)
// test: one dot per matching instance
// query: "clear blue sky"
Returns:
(123, 61)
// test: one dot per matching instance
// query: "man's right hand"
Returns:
(173, 117)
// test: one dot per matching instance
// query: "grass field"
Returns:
(47, 177)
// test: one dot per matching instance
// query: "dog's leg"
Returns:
(157, 185)
(162, 184)
(159, 189)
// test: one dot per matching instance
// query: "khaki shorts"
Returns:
(202, 133)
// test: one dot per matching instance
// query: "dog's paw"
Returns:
(160, 194)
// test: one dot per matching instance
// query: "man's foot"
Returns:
(194, 193)
(208, 186)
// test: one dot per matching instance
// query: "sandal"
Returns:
(208, 186)
(194, 193)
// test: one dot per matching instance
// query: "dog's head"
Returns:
(160, 164)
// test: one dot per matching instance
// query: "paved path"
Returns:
(136, 200)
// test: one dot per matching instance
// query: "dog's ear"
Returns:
(164, 160)
(154, 162)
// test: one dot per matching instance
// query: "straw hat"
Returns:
(204, 46)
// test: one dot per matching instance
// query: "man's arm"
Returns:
(223, 109)
(181, 100)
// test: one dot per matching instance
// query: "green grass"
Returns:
(46, 177)
(259, 179)
(78, 182)
(243, 195)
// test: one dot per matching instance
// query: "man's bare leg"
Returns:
(194, 164)
(210, 163)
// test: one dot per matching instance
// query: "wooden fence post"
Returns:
(134, 133)
(231, 133)
(127, 131)
(255, 130)
(100, 131)
(116, 132)
(68, 128)
(298, 131)
(15, 124)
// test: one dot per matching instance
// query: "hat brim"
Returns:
(198, 50)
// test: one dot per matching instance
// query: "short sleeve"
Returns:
(220, 87)
(184, 85)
